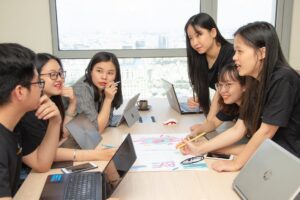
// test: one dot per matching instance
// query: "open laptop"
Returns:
(130, 113)
(92, 185)
(84, 132)
(180, 107)
(271, 173)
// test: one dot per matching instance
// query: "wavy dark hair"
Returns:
(230, 71)
(105, 57)
(41, 60)
(197, 63)
(258, 35)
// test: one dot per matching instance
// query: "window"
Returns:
(119, 24)
(148, 36)
(229, 20)
(140, 75)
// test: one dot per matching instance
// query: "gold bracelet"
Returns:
(74, 154)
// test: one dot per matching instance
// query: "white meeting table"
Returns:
(190, 185)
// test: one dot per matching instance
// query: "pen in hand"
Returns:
(192, 140)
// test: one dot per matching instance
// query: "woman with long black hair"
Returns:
(207, 53)
(271, 106)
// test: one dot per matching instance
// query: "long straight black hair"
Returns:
(41, 60)
(258, 35)
(197, 63)
(105, 57)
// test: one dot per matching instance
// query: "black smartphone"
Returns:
(79, 168)
(61, 164)
(219, 156)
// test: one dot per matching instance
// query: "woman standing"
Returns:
(271, 107)
(207, 53)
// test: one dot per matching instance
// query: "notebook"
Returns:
(130, 113)
(180, 107)
(271, 173)
(84, 132)
(92, 185)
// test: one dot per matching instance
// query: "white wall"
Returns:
(294, 58)
(26, 22)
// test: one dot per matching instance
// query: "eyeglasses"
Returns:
(226, 86)
(54, 75)
(192, 160)
(40, 83)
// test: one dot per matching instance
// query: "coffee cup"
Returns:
(142, 104)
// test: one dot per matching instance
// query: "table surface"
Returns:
(206, 184)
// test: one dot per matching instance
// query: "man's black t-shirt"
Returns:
(282, 108)
(32, 132)
(225, 56)
(10, 162)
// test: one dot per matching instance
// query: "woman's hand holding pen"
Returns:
(193, 102)
(189, 148)
(195, 129)
(110, 90)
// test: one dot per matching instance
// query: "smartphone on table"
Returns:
(218, 156)
(79, 168)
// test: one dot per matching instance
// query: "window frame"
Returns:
(283, 19)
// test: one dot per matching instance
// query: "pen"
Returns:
(108, 146)
(194, 96)
(193, 139)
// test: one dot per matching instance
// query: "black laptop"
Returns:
(180, 107)
(92, 185)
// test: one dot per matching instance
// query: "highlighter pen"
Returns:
(195, 138)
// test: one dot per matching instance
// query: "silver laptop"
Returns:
(130, 113)
(84, 132)
(271, 173)
(180, 107)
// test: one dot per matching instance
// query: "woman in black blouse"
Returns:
(207, 53)
(271, 106)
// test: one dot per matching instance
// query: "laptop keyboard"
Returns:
(115, 120)
(81, 186)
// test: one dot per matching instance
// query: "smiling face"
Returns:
(52, 87)
(230, 90)
(247, 59)
(201, 39)
(103, 73)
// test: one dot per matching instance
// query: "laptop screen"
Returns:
(118, 166)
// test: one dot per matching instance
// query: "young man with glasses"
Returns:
(20, 92)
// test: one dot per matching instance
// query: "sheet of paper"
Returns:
(157, 152)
